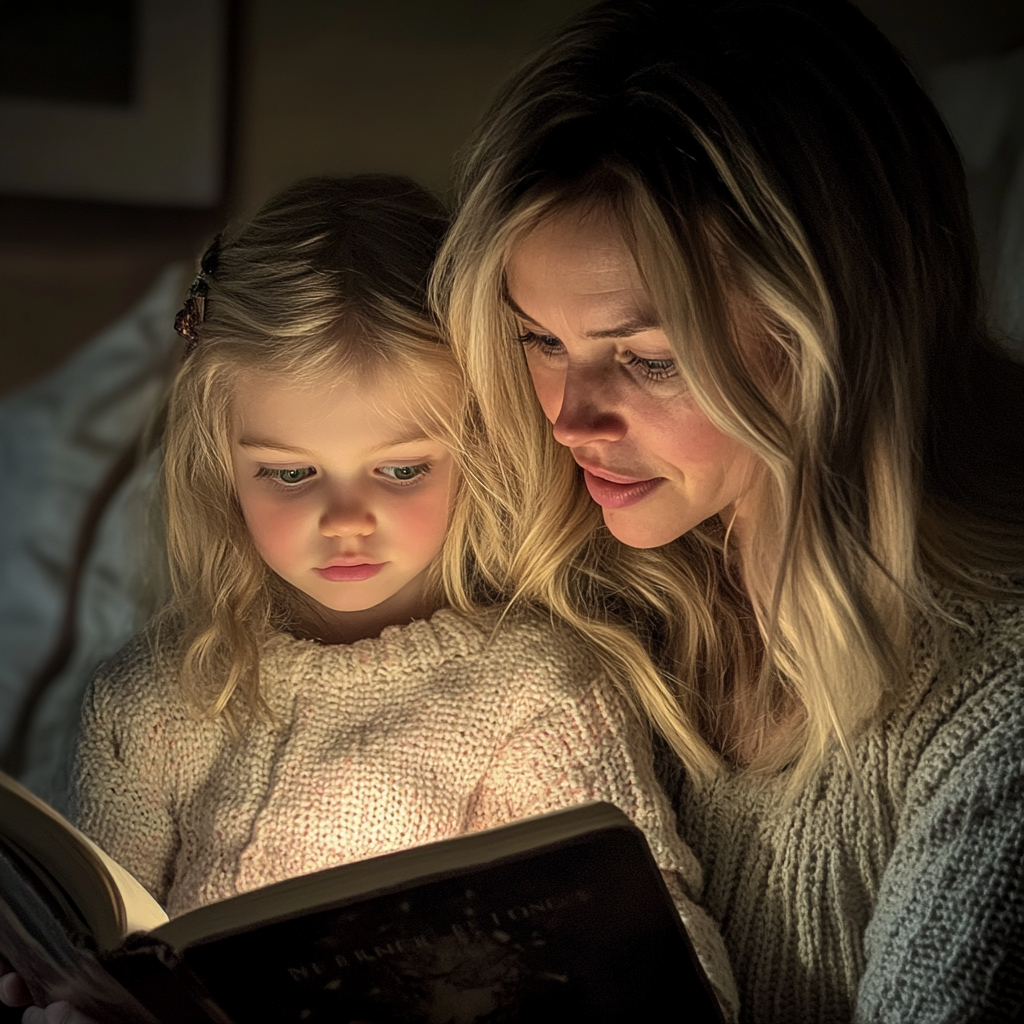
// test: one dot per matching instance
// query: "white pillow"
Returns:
(58, 439)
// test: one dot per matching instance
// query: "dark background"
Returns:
(332, 86)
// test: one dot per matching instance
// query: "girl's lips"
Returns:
(350, 573)
(609, 494)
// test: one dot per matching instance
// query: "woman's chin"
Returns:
(637, 530)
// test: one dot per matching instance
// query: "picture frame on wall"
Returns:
(118, 101)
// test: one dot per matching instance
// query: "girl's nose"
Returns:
(590, 409)
(348, 516)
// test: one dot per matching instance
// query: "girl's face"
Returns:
(603, 370)
(343, 494)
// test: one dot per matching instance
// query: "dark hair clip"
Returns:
(190, 317)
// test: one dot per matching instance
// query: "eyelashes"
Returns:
(286, 477)
(654, 369)
(403, 475)
(545, 343)
(550, 347)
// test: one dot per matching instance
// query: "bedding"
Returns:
(59, 437)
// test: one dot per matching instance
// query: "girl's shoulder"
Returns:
(525, 648)
(139, 683)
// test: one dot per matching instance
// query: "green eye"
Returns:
(288, 476)
(403, 474)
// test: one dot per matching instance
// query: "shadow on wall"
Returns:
(324, 86)
(344, 87)
(983, 104)
(341, 86)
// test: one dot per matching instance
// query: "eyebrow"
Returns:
(635, 324)
(399, 439)
(276, 446)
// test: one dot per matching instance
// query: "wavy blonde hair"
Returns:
(775, 158)
(327, 281)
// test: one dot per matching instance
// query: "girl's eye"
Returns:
(546, 344)
(404, 474)
(287, 476)
(653, 369)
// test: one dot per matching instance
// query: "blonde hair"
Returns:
(775, 158)
(327, 280)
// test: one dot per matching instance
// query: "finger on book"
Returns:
(12, 989)
(56, 1013)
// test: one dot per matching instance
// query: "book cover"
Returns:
(582, 931)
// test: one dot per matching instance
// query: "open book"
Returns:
(561, 917)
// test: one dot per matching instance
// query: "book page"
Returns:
(112, 901)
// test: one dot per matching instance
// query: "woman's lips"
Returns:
(350, 573)
(611, 494)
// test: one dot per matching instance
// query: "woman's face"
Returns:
(605, 376)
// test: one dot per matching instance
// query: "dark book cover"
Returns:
(581, 931)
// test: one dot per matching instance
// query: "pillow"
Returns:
(59, 438)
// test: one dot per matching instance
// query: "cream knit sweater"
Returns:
(421, 734)
(904, 904)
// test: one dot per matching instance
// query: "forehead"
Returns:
(583, 249)
(575, 261)
(293, 404)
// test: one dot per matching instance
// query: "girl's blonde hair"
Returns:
(775, 163)
(328, 280)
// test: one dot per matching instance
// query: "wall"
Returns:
(340, 86)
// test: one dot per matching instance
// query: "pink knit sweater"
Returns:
(430, 730)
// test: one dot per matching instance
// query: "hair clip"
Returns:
(191, 315)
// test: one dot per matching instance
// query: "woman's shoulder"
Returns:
(974, 642)
(965, 710)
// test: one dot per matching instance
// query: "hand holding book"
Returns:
(14, 993)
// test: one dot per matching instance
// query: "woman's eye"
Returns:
(546, 344)
(404, 474)
(653, 369)
(287, 476)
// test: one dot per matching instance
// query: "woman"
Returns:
(723, 247)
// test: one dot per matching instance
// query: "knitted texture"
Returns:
(906, 903)
(429, 731)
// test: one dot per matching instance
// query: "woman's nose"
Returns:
(348, 514)
(590, 409)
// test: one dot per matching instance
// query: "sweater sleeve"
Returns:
(122, 779)
(946, 940)
(588, 747)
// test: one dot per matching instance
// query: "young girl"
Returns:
(310, 696)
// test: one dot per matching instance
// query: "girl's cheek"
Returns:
(272, 525)
(424, 518)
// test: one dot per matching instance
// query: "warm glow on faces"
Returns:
(605, 376)
(343, 495)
